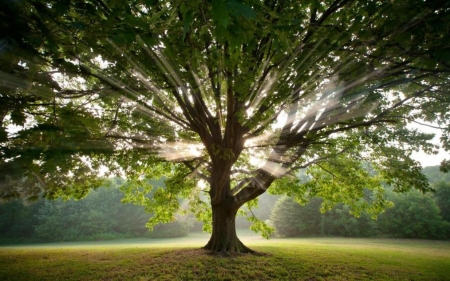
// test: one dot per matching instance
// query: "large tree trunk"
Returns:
(224, 238)
(224, 207)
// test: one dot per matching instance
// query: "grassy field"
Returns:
(181, 259)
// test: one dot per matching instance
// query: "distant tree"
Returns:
(225, 97)
(414, 215)
(440, 182)
(17, 221)
(178, 228)
(340, 222)
(268, 201)
(442, 198)
(290, 219)
(246, 216)
(99, 214)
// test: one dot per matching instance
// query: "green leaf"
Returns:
(445, 166)
(18, 117)
(188, 19)
(220, 13)
(239, 9)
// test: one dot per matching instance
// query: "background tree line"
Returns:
(102, 216)
(99, 216)
(413, 215)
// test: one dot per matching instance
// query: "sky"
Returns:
(426, 159)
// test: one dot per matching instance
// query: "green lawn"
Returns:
(181, 259)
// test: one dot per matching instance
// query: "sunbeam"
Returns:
(176, 151)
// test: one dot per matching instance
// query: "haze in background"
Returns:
(430, 159)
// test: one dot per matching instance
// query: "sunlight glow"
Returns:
(174, 151)
(202, 184)
(271, 167)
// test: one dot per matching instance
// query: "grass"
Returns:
(181, 259)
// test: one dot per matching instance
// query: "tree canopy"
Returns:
(228, 97)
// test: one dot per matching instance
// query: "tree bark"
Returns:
(224, 238)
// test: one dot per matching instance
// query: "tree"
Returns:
(17, 221)
(97, 216)
(439, 181)
(32, 99)
(340, 222)
(414, 215)
(442, 198)
(198, 91)
(290, 219)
